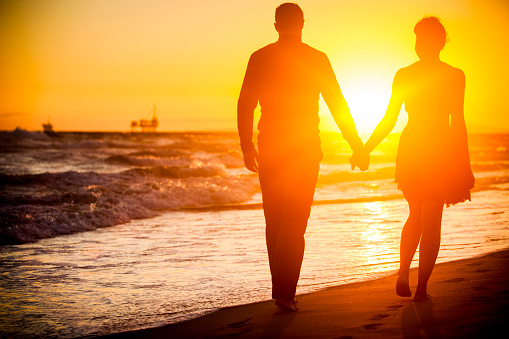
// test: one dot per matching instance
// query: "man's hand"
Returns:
(251, 160)
(360, 159)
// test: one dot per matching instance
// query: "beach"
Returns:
(104, 232)
(133, 134)
(470, 299)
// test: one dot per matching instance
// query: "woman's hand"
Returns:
(360, 158)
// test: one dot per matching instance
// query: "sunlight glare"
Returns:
(367, 99)
(376, 238)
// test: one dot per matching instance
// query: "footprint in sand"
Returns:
(479, 298)
(481, 288)
(240, 328)
(394, 307)
(239, 323)
(243, 332)
(380, 316)
(475, 264)
(456, 280)
(504, 308)
(372, 327)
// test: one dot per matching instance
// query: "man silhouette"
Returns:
(287, 78)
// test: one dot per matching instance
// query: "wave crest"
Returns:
(87, 201)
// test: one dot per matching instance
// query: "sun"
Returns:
(367, 98)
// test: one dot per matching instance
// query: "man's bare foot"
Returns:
(403, 287)
(286, 305)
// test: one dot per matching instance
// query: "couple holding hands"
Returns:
(286, 79)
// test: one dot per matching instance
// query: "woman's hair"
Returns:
(431, 30)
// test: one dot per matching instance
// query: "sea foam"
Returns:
(44, 205)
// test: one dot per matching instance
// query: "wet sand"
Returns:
(470, 299)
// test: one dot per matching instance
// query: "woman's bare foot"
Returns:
(403, 287)
(286, 305)
(421, 294)
(421, 297)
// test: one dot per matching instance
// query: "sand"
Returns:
(470, 299)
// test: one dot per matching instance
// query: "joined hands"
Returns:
(360, 158)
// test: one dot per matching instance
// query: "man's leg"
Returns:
(288, 194)
(273, 194)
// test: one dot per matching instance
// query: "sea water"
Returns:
(107, 232)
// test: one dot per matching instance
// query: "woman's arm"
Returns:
(458, 125)
(459, 129)
(386, 125)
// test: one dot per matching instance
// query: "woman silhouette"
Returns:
(432, 164)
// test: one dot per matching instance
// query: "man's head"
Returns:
(289, 19)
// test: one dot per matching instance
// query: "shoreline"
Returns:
(470, 298)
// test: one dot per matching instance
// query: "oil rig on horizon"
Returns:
(145, 125)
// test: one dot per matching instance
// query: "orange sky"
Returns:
(98, 64)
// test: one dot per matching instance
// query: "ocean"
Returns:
(107, 232)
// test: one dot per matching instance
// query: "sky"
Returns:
(96, 65)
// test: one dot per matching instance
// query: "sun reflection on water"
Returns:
(378, 241)
(179, 265)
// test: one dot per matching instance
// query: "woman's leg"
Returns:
(410, 236)
(430, 244)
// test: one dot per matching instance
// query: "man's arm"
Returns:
(248, 99)
(338, 107)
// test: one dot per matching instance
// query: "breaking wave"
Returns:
(80, 181)
(36, 206)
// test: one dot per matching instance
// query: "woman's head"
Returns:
(430, 37)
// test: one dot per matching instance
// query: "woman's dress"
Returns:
(432, 160)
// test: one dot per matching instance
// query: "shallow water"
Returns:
(178, 265)
(174, 226)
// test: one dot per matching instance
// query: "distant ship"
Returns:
(146, 126)
(48, 129)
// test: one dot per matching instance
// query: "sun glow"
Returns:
(98, 64)
(367, 99)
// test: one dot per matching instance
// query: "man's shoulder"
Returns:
(314, 50)
(272, 47)
(408, 69)
(264, 50)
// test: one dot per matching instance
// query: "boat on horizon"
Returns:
(47, 128)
